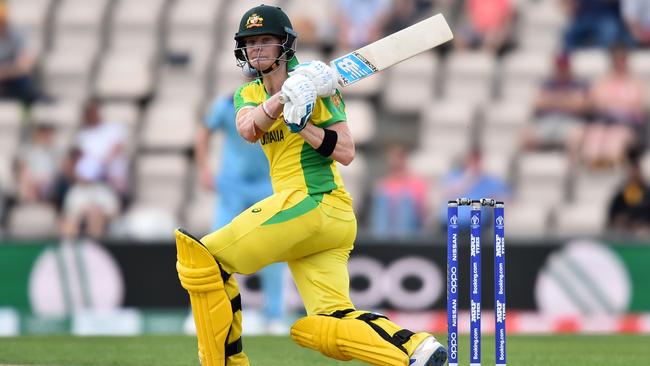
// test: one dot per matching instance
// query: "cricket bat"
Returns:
(390, 50)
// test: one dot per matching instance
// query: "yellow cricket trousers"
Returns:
(314, 238)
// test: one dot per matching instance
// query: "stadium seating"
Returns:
(158, 64)
(33, 221)
(362, 119)
(410, 85)
(10, 127)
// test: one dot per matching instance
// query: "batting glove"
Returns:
(301, 95)
(324, 77)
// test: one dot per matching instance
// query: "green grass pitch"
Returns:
(556, 350)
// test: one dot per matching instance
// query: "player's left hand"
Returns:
(301, 95)
(324, 77)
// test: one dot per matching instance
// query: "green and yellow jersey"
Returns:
(293, 163)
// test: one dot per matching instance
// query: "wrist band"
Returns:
(326, 148)
(266, 111)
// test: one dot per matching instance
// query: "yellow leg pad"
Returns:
(200, 276)
(391, 328)
(319, 333)
(345, 339)
(239, 359)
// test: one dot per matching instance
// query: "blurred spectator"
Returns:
(66, 177)
(360, 22)
(629, 211)
(405, 13)
(16, 63)
(636, 14)
(104, 143)
(618, 102)
(314, 32)
(242, 181)
(561, 107)
(487, 25)
(594, 23)
(100, 175)
(37, 165)
(472, 181)
(399, 200)
(90, 203)
(244, 170)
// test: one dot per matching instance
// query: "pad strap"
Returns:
(235, 303)
(398, 339)
(224, 275)
(234, 347)
(340, 313)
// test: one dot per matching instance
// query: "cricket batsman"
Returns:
(307, 222)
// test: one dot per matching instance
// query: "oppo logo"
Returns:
(453, 280)
(391, 282)
(453, 346)
(407, 283)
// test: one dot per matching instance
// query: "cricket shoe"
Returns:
(429, 353)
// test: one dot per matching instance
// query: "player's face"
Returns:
(262, 50)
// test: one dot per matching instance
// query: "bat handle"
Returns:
(283, 98)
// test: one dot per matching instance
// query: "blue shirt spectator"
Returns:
(399, 200)
(636, 14)
(244, 170)
(594, 23)
(243, 179)
(16, 63)
(471, 181)
(360, 22)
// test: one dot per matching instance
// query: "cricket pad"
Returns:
(200, 275)
(346, 339)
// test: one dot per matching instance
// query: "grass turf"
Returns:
(556, 350)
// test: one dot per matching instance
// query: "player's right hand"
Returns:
(301, 95)
(324, 77)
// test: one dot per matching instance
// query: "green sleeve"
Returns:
(336, 108)
(242, 98)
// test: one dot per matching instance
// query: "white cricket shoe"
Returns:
(429, 353)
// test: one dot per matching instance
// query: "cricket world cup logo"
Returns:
(453, 220)
(475, 220)
(500, 222)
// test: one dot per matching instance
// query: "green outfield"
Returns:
(568, 350)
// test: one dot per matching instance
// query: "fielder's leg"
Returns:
(212, 306)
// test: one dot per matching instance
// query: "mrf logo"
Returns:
(254, 21)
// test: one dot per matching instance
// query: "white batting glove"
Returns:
(325, 78)
(301, 95)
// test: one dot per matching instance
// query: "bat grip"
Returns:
(283, 98)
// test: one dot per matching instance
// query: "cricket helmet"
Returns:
(265, 19)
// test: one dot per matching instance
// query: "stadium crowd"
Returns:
(542, 101)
